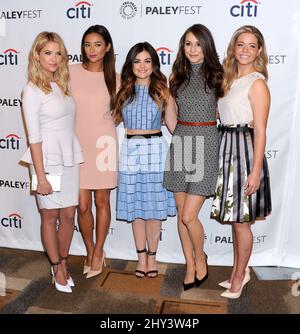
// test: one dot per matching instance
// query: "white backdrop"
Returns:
(160, 22)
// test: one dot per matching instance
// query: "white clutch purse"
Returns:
(54, 180)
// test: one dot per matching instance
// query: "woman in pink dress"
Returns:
(93, 85)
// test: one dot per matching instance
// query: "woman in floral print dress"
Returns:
(243, 186)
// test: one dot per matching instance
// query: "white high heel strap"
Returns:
(59, 287)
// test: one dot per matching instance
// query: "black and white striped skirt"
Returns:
(230, 203)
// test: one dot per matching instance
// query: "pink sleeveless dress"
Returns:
(94, 128)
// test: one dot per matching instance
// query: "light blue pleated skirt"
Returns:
(140, 192)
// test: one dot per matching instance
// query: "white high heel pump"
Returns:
(59, 287)
(70, 279)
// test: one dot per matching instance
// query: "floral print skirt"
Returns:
(230, 203)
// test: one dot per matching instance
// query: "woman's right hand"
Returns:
(44, 188)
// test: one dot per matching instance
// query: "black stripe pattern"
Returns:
(230, 203)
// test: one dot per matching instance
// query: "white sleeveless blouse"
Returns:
(235, 107)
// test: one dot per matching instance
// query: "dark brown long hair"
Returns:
(108, 60)
(211, 69)
(158, 89)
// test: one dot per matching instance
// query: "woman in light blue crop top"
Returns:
(49, 113)
(142, 102)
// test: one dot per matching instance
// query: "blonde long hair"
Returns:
(35, 73)
(230, 64)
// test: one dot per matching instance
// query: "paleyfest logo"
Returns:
(246, 8)
(128, 10)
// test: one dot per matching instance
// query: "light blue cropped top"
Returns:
(142, 113)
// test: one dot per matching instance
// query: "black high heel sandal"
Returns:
(153, 273)
(140, 273)
(198, 282)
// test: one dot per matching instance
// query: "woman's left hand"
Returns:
(252, 184)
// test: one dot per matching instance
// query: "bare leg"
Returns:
(50, 241)
(139, 234)
(234, 255)
(244, 243)
(186, 243)
(103, 216)
(86, 222)
(65, 234)
(153, 228)
(191, 209)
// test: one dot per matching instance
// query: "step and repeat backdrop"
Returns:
(160, 22)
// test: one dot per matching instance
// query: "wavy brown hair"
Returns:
(158, 89)
(108, 60)
(211, 69)
(230, 63)
(36, 74)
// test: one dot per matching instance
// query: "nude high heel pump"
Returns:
(86, 268)
(235, 295)
(93, 273)
(58, 287)
(227, 285)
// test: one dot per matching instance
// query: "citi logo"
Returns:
(247, 8)
(82, 10)
(14, 220)
(164, 55)
(9, 57)
(10, 142)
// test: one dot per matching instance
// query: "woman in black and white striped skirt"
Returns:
(243, 186)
